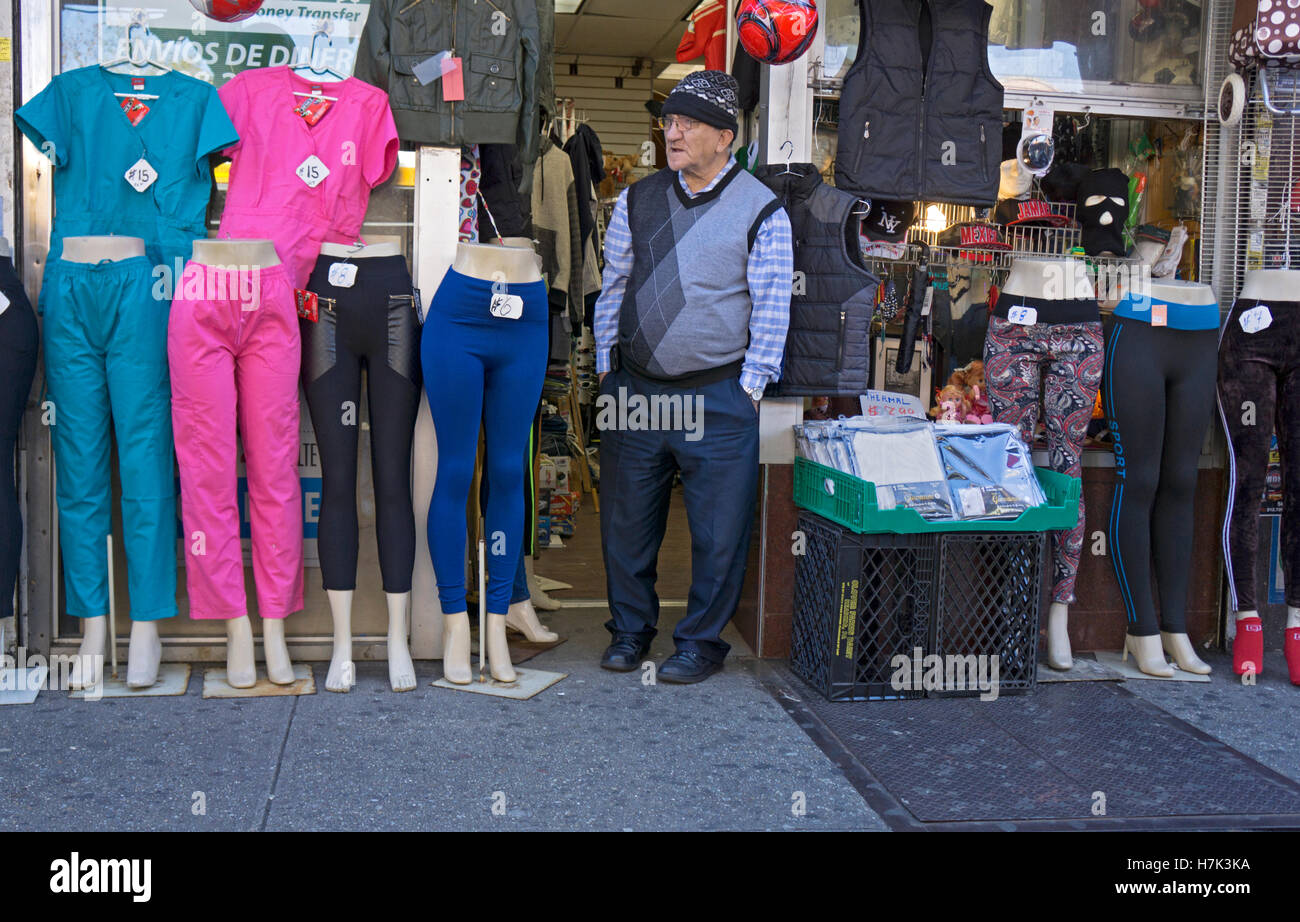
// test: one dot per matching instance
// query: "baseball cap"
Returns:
(888, 221)
(1028, 211)
(973, 237)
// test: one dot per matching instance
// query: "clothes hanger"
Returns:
(135, 66)
(788, 159)
(322, 30)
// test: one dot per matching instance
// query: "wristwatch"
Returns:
(755, 393)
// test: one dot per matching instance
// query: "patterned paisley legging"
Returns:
(1060, 363)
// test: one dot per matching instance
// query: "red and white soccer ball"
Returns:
(776, 31)
(227, 10)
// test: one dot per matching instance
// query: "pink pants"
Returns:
(234, 351)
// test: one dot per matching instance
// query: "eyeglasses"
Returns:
(681, 123)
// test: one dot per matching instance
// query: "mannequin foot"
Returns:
(540, 599)
(1058, 637)
(88, 669)
(522, 619)
(455, 649)
(342, 673)
(1179, 646)
(1146, 651)
(401, 671)
(241, 668)
(144, 655)
(279, 668)
(498, 650)
(1248, 648)
(1291, 647)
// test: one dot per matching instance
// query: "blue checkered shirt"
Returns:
(770, 274)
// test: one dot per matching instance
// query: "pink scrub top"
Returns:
(355, 145)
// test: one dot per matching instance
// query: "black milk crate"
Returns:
(861, 600)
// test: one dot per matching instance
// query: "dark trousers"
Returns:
(716, 451)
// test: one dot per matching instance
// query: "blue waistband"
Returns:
(1177, 316)
(465, 298)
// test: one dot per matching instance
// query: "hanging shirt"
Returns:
(87, 134)
(706, 34)
(304, 180)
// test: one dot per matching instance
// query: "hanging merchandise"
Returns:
(18, 344)
(828, 345)
(77, 121)
(776, 31)
(1015, 182)
(888, 222)
(302, 185)
(1102, 209)
(705, 36)
(921, 112)
(456, 72)
(367, 319)
(557, 231)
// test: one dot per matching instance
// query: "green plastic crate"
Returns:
(851, 502)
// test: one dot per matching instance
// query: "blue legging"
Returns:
(489, 369)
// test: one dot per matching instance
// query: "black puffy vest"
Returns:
(921, 113)
(828, 347)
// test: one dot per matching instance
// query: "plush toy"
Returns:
(950, 405)
(964, 399)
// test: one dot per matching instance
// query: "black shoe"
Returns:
(686, 667)
(625, 653)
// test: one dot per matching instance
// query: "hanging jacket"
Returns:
(705, 36)
(555, 228)
(921, 113)
(828, 346)
(499, 46)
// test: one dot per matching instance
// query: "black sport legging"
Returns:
(372, 325)
(1259, 390)
(1159, 395)
(18, 344)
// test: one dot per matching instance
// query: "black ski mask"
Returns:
(1102, 210)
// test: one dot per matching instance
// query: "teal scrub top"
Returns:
(81, 127)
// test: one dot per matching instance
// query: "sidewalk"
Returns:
(603, 751)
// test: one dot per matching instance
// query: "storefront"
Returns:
(1127, 85)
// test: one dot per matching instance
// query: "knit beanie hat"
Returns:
(708, 96)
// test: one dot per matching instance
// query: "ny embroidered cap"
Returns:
(708, 96)
(973, 237)
(1028, 211)
(887, 222)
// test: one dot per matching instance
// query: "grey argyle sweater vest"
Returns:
(686, 309)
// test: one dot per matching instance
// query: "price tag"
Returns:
(141, 175)
(430, 69)
(343, 275)
(507, 307)
(1256, 319)
(134, 109)
(1025, 316)
(453, 80)
(307, 304)
(312, 171)
(929, 301)
(312, 109)
(1159, 315)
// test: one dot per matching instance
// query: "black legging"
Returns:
(1159, 393)
(18, 344)
(373, 325)
(1259, 390)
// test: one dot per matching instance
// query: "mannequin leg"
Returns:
(425, 608)
(279, 668)
(1059, 655)
(241, 667)
(1248, 645)
(1291, 643)
(522, 617)
(88, 670)
(1146, 651)
(455, 649)
(401, 671)
(144, 655)
(342, 673)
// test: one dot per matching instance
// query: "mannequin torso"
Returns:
(1050, 279)
(1272, 285)
(378, 246)
(95, 249)
(1180, 292)
(518, 266)
(235, 253)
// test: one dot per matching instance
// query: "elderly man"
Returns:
(694, 311)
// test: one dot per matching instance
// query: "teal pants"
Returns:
(105, 339)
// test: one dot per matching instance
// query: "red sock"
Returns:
(1248, 648)
(1292, 647)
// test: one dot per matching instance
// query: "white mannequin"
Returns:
(1057, 280)
(522, 616)
(401, 670)
(1149, 655)
(241, 662)
(516, 266)
(145, 651)
(1272, 285)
